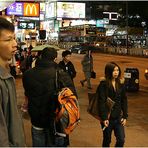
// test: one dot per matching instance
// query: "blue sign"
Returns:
(100, 23)
(15, 9)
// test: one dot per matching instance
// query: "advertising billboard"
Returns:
(70, 10)
(24, 9)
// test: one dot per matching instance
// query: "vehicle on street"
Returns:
(146, 73)
(78, 49)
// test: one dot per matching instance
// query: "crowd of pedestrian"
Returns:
(39, 77)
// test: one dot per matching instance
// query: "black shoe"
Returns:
(82, 83)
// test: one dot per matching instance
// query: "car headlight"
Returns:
(146, 70)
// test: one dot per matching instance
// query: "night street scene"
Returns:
(93, 33)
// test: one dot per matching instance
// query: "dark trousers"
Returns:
(116, 126)
(42, 138)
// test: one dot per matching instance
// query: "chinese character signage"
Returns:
(15, 9)
(24, 9)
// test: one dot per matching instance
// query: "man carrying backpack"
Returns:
(41, 89)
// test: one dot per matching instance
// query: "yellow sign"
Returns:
(31, 9)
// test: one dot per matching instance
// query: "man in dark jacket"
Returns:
(67, 65)
(40, 88)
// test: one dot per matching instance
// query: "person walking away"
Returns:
(67, 65)
(87, 66)
(11, 125)
(113, 87)
(40, 89)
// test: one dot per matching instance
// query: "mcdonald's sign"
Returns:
(32, 9)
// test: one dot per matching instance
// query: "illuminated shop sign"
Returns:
(15, 9)
(110, 15)
(26, 25)
(31, 9)
(100, 23)
(42, 7)
(50, 10)
(70, 10)
(24, 9)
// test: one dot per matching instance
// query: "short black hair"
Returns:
(6, 25)
(49, 53)
(65, 53)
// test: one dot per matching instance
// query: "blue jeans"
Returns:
(42, 138)
(116, 126)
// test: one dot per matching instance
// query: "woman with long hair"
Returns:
(112, 87)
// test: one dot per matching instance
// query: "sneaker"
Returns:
(82, 83)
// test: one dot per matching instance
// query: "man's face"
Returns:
(8, 45)
(67, 58)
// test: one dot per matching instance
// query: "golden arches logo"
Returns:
(31, 9)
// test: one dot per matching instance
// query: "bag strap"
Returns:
(58, 133)
(56, 80)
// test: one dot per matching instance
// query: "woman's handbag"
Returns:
(93, 75)
(93, 107)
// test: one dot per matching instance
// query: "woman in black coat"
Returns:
(113, 88)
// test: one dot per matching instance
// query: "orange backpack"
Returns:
(69, 113)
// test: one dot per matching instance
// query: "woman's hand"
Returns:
(106, 123)
(123, 121)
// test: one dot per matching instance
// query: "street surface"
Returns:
(88, 132)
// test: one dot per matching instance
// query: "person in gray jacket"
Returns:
(87, 65)
(11, 125)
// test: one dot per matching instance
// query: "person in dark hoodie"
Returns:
(113, 87)
(40, 88)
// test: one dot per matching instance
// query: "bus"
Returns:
(82, 35)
